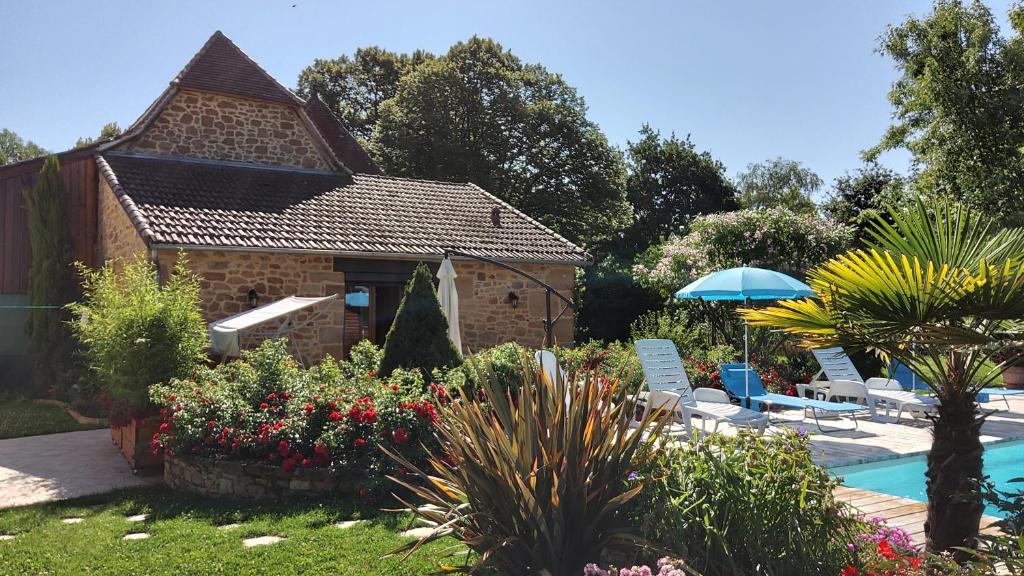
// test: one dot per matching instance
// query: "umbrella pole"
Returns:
(746, 359)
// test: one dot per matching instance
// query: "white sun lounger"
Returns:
(837, 366)
(670, 389)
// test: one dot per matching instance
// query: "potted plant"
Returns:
(1013, 373)
(138, 332)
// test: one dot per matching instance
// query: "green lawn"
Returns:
(185, 538)
(26, 418)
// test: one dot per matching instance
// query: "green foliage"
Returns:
(773, 238)
(669, 184)
(138, 332)
(419, 336)
(779, 183)
(959, 105)
(534, 484)
(355, 87)
(504, 363)
(14, 149)
(858, 198)
(745, 505)
(479, 114)
(363, 358)
(51, 282)
(108, 132)
(609, 298)
(613, 361)
(266, 408)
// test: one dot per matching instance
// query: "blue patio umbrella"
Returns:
(744, 284)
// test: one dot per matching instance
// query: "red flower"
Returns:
(264, 405)
(886, 551)
(400, 435)
(306, 463)
(309, 408)
(915, 562)
(369, 417)
(271, 396)
(335, 416)
(360, 441)
(283, 446)
(164, 427)
(849, 571)
(394, 387)
(373, 373)
(171, 398)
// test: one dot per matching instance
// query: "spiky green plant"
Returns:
(535, 483)
(940, 289)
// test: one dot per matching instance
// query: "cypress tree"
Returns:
(51, 281)
(418, 338)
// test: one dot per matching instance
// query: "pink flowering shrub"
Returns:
(773, 238)
(665, 567)
(266, 408)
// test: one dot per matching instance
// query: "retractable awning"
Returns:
(224, 334)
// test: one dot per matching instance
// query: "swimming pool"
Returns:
(905, 476)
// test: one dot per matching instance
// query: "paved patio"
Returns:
(58, 466)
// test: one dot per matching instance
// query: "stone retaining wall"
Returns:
(234, 479)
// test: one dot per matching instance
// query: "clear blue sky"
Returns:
(749, 80)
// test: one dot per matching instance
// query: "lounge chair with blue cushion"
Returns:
(734, 377)
(884, 391)
(669, 389)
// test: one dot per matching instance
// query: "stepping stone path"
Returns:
(348, 523)
(138, 518)
(5, 537)
(228, 526)
(75, 520)
(418, 532)
(261, 541)
(136, 536)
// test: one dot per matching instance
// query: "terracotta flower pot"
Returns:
(133, 439)
(1013, 378)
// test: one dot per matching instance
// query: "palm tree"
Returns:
(940, 289)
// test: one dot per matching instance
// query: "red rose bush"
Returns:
(266, 408)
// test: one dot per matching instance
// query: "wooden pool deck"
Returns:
(902, 512)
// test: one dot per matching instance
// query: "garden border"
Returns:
(231, 478)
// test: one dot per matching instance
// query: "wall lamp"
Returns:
(513, 299)
(254, 298)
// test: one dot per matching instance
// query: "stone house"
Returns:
(269, 195)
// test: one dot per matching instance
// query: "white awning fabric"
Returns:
(224, 333)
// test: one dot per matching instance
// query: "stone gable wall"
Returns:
(486, 318)
(220, 127)
(118, 237)
(227, 278)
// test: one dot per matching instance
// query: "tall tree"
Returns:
(109, 131)
(858, 197)
(355, 87)
(14, 149)
(479, 114)
(51, 283)
(941, 290)
(959, 105)
(778, 183)
(668, 184)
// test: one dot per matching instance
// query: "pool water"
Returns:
(905, 476)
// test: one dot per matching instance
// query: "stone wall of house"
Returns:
(118, 237)
(234, 479)
(227, 278)
(486, 317)
(219, 127)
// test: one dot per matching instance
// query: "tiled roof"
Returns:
(345, 147)
(220, 66)
(203, 203)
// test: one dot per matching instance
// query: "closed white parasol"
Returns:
(448, 295)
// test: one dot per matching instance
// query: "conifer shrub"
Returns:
(51, 283)
(418, 338)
